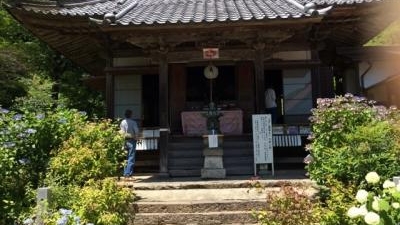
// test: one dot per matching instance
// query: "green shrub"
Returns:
(27, 142)
(93, 152)
(334, 200)
(288, 206)
(101, 202)
(351, 137)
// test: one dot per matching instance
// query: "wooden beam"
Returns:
(168, 27)
(132, 70)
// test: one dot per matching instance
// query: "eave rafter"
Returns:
(236, 37)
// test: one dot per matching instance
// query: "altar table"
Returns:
(195, 123)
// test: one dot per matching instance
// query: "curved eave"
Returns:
(149, 13)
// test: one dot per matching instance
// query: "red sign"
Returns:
(210, 53)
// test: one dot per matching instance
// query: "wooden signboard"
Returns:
(210, 53)
(262, 141)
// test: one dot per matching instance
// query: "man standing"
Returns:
(270, 104)
(130, 130)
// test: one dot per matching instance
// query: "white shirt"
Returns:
(270, 98)
(130, 127)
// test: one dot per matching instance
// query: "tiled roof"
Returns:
(125, 12)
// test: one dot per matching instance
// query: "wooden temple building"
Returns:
(150, 56)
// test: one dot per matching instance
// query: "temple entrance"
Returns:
(274, 79)
(293, 94)
(150, 117)
(198, 87)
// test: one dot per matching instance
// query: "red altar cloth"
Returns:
(194, 123)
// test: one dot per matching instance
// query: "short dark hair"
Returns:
(128, 113)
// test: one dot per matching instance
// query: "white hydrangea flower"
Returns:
(396, 205)
(372, 218)
(28, 221)
(375, 204)
(372, 178)
(353, 212)
(363, 210)
(388, 184)
(362, 196)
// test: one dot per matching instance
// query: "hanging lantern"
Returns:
(211, 72)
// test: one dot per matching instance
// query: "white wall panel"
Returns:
(128, 95)
(128, 82)
(379, 71)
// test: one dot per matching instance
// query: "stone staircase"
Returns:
(185, 156)
(203, 202)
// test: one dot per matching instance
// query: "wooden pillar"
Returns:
(109, 95)
(164, 109)
(322, 77)
(177, 80)
(245, 90)
(315, 77)
(259, 76)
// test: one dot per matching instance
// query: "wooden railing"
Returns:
(148, 139)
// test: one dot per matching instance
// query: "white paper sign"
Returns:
(212, 141)
(262, 139)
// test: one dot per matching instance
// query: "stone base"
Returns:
(213, 173)
(213, 162)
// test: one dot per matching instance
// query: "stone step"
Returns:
(202, 194)
(198, 206)
(208, 218)
(193, 201)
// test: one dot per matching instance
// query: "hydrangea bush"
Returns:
(101, 202)
(352, 136)
(27, 142)
(56, 147)
(377, 205)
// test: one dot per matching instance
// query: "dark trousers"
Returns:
(274, 113)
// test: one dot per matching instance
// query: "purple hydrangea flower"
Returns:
(4, 111)
(62, 221)
(30, 131)
(17, 117)
(83, 113)
(65, 212)
(40, 116)
(9, 144)
(22, 135)
(63, 120)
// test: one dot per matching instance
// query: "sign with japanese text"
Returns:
(262, 139)
(212, 141)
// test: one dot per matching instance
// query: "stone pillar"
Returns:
(43, 198)
(213, 159)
